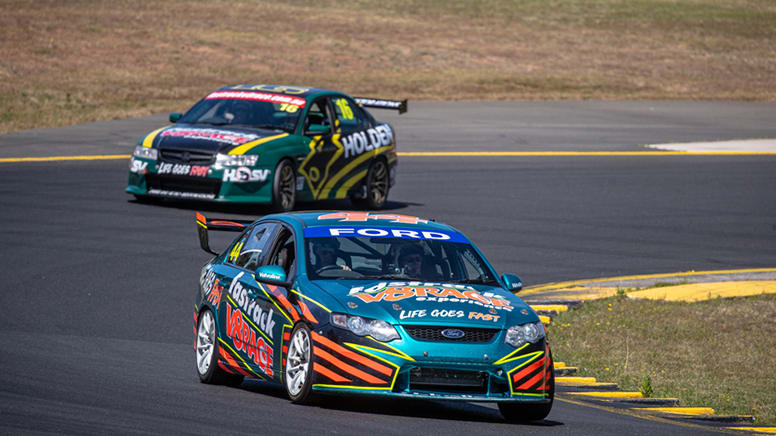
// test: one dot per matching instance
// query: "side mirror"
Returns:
(317, 129)
(513, 282)
(175, 116)
(272, 274)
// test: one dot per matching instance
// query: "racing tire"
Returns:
(522, 413)
(284, 187)
(378, 184)
(207, 353)
(298, 371)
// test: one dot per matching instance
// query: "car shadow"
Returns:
(408, 407)
(260, 209)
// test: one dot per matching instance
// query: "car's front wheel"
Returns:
(207, 353)
(298, 373)
(377, 186)
(516, 412)
(284, 187)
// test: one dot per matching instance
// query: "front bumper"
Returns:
(200, 182)
(488, 372)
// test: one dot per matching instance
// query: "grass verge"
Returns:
(82, 60)
(716, 353)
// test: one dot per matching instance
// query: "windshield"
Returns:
(247, 109)
(367, 258)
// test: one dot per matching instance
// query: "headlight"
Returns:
(520, 334)
(146, 152)
(378, 329)
(236, 160)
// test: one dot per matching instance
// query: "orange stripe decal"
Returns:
(382, 369)
(306, 312)
(233, 363)
(331, 375)
(347, 368)
(201, 218)
(525, 371)
(535, 379)
(284, 302)
(224, 367)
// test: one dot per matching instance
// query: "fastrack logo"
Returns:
(260, 317)
(372, 139)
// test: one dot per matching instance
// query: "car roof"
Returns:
(299, 91)
(363, 219)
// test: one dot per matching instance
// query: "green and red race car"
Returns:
(270, 144)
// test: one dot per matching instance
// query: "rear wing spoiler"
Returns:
(400, 106)
(228, 225)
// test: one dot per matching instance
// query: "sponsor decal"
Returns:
(244, 174)
(386, 232)
(372, 139)
(223, 136)
(257, 96)
(483, 316)
(436, 313)
(210, 286)
(261, 317)
(246, 339)
(138, 166)
(434, 294)
(299, 183)
(177, 194)
(268, 276)
(182, 169)
(364, 216)
(453, 333)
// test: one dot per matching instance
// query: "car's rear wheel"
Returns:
(377, 186)
(207, 353)
(517, 412)
(284, 187)
(298, 372)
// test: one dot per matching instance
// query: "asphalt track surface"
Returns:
(97, 290)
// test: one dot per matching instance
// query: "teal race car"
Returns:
(368, 303)
(270, 144)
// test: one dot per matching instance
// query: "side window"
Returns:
(284, 254)
(317, 114)
(254, 247)
(350, 116)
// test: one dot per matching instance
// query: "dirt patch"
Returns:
(68, 62)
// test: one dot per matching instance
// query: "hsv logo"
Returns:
(364, 216)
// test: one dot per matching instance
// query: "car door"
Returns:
(247, 313)
(325, 146)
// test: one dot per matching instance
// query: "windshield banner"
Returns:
(383, 232)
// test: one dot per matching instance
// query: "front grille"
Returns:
(187, 157)
(434, 334)
(183, 184)
(448, 380)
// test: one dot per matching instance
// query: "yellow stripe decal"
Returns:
(349, 167)
(507, 359)
(248, 367)
(343, 190)
(64, 158)
(148, 141)
(311, 300)
(251, 322)
(241, 149)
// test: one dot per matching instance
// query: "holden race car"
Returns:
(369, 304)
(270, 144)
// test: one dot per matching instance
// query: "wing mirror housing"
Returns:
(273, 275)
(175, 116)
(513, 282)
(317, 129)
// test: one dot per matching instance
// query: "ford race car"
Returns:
(270, 144)
(370, 304)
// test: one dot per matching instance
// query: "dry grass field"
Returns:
(64, 62)
(716, 353)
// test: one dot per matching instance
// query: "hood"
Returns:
(212, 139)
(421, 303)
